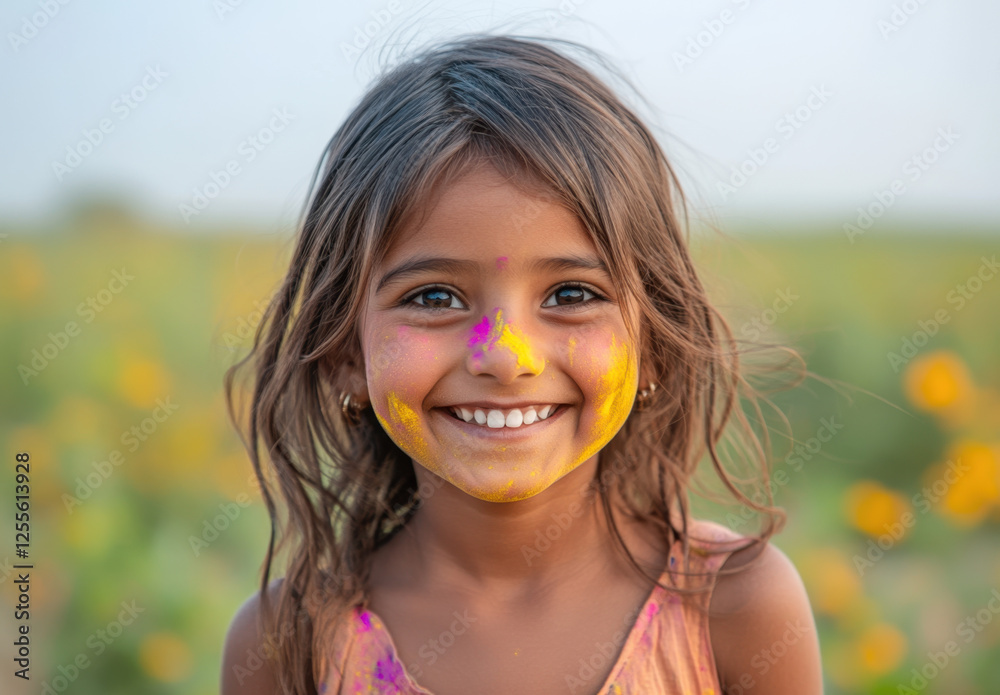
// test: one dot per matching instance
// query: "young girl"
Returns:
(482, 389)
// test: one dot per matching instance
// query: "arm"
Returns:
(245, 668)
(762, 628)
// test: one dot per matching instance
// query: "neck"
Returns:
(513, 551)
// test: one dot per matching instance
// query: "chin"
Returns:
(501, 483)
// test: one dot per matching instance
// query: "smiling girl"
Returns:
(482, 389)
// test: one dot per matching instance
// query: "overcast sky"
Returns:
(838, 101)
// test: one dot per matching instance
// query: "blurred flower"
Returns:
(78, 419)
(24, 275)
(880, 648)
(971, 496)
(832, 582)
(165, 657)
(92, 526)
(872, 508)
(141, 381)
(191, 443)
(937, 381)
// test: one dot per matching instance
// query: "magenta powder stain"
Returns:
(388, 670)
(501, 262)
(480, 332)
(366, 620)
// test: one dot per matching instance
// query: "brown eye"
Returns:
(436, 298)
(569, 295)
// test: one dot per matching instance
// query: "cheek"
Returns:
(400, 372)
(609, 373)
(397, 355)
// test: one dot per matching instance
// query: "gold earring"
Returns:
(350, 410)
(644, 397)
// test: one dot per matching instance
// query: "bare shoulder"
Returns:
(245, 667)
(762, 627)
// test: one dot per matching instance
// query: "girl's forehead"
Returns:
(485, 215)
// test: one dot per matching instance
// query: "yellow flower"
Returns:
(165, 657)
(141, 381)
(975, 484)
(92, 526)
(25, 274)
(881, 648)
(937, 381)
(873, 509)
(79, 419)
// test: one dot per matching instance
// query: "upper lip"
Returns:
(485, 405)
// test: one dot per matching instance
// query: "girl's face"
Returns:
(497, 305)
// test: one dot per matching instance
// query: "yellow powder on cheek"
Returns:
(405, 428)
(572, 347)
(613, 401)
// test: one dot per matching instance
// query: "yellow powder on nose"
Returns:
(506, 336)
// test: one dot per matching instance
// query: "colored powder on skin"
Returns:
(407, 333)
(515, 342)
(572, 347)
(503, 335)
(613, 404)
(501, 262)
(406, 426)
(612, 408)
(480, 333)
(388, 670)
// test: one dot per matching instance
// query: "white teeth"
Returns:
(496, 419)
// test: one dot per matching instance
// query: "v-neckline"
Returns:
(650, 608)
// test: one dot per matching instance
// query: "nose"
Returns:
(501, 349)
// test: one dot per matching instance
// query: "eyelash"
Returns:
(598, 297)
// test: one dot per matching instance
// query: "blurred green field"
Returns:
(143, 496)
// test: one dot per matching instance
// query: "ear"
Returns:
(345, 373)
(645, 374)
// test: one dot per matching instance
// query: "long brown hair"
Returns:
(548, 122)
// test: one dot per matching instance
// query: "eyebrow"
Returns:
(457, 266)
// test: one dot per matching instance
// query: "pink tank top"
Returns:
(667, 651)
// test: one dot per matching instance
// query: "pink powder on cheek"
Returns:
(501, 262)
(406, 333)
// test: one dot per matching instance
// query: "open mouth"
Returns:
(512, 418)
